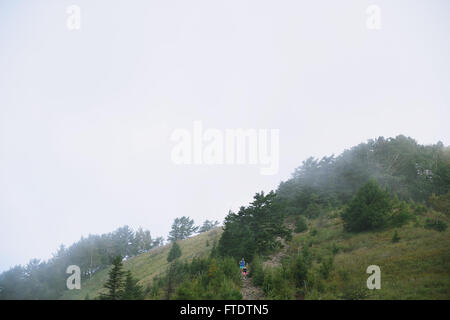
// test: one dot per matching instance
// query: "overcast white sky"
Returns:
(86, 115)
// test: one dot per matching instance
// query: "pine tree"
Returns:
(115, 283)
(182, 228)
(132, 291)
(369, 209)
(174, 253)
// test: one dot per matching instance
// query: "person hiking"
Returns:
(242, 264)
(244, 270)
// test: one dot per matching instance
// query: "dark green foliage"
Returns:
(276, 285)
(435, 224)
(300, 224)
(201, 279)
(174, 253)
(115, 282)
(214, 251)
(400, 215)
(182, 228)
(175, 275)
(395, 237)
(420, 209)
(325, 267)
(299, 270)
(354, 291)
(368, 210)
(131, 291)
(254, 229)
(313, 210)
(334, 249)
(256, 271)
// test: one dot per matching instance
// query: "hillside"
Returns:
(148, 265)
(383, 203)
(416, 267)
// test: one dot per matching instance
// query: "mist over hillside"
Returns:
(415, 181)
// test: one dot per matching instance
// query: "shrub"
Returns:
(395, 237)
(257, 272)
(313, 210)
(400, 215)
(420, 210)
(354, 291)
(326, 267)
(299, 271)
(277, 286)
(435, 224)
(334, 249)
(300, 225)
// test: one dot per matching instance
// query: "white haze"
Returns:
(86, 116)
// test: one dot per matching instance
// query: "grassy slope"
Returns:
(417, 267)
(145, 266)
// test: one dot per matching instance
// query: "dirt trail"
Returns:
(252, 292)
(275, 259)
(249, 291)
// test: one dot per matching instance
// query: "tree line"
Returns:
(47, 279)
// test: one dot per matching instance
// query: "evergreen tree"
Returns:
(174, 253)
(182, 228)
(254, 229)
(132, 291)
(115, 282)
(368, 210)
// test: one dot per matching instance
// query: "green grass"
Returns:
(416, 267)
(148, 265)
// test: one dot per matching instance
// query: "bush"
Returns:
(300, 225)
(395, 237)
(326, 267)
(334, 249)
(257, 272)
(368, 210)
(277, 286)
(400, 215)
(299, 271)
(420, 210)
(435, 224)
(354, 291)
(313, 210)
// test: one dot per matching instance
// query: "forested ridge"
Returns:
(375, 188)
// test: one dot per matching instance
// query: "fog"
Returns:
(88, 115)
